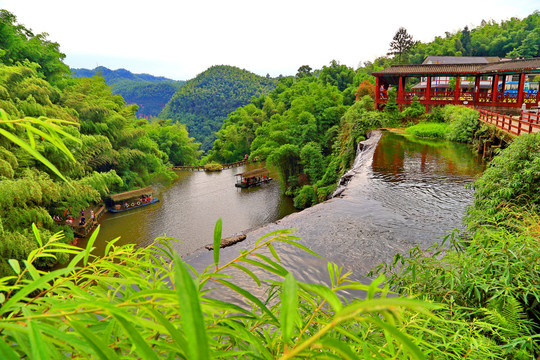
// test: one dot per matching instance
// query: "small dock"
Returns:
(89, 225)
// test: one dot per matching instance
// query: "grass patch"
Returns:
(429, 130)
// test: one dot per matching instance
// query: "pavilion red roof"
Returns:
(509, 67)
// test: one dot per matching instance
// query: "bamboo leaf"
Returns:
(131, 332)
(414, 350)
(273, 251)
(89, 245)
(33, 152)
(110, 244)
(190, 311)
(36, 235)
(300, 246)
(15, 266)
(177, 336)
(37, 344)
(217, 241)
(249, 296)
(324, 292)
(344, 351)
(98, 345)
(249, 272)
(6, 352)
(289, 307)
(36, 284)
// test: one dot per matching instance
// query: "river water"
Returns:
(403, 192)
(189, 208)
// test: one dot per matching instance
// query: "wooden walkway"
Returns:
(201, 168)
(526, 123)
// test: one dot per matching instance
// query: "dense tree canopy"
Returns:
(203, 103)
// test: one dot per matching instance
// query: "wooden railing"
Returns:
(528, 122)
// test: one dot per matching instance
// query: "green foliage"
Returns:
(19, 45)
(463, 123)
(489, 281)
(414, 111)
(306, 197)
(512, 180)
(429, 130)
(203, 103)
(312, 161)
(86, 310)
(509, 38)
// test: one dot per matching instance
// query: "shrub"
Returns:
(512, 179)
(463, 123)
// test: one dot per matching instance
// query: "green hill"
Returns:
(150, 93)
(203, 103)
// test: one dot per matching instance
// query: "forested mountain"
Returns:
(203, 103)
(150, 93)
(107, 149)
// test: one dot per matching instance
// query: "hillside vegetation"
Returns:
(204, 102)
(107, 149)
(149, 93)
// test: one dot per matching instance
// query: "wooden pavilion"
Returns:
(488, 84)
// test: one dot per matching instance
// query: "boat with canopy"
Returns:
(251, 178)
(131, 199)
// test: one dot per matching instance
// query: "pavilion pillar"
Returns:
(457, 90)
(377, 92)
(476, 90)
(537, 97)
(401, 91)
(428, 92)
(521, 89)
(495, 89)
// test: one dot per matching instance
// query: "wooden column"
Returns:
(537, 97)
(495, 89)
(377, 92)
(521, 89)
(457, 90)
(428, 92)
(400, 92)
(476, 89)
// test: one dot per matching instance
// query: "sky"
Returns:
(179, 39)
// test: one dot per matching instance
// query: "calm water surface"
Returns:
(189, 208)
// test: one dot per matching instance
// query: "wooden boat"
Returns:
(131, 200)
(251, 178)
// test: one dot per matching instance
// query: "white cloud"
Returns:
(180, 39)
